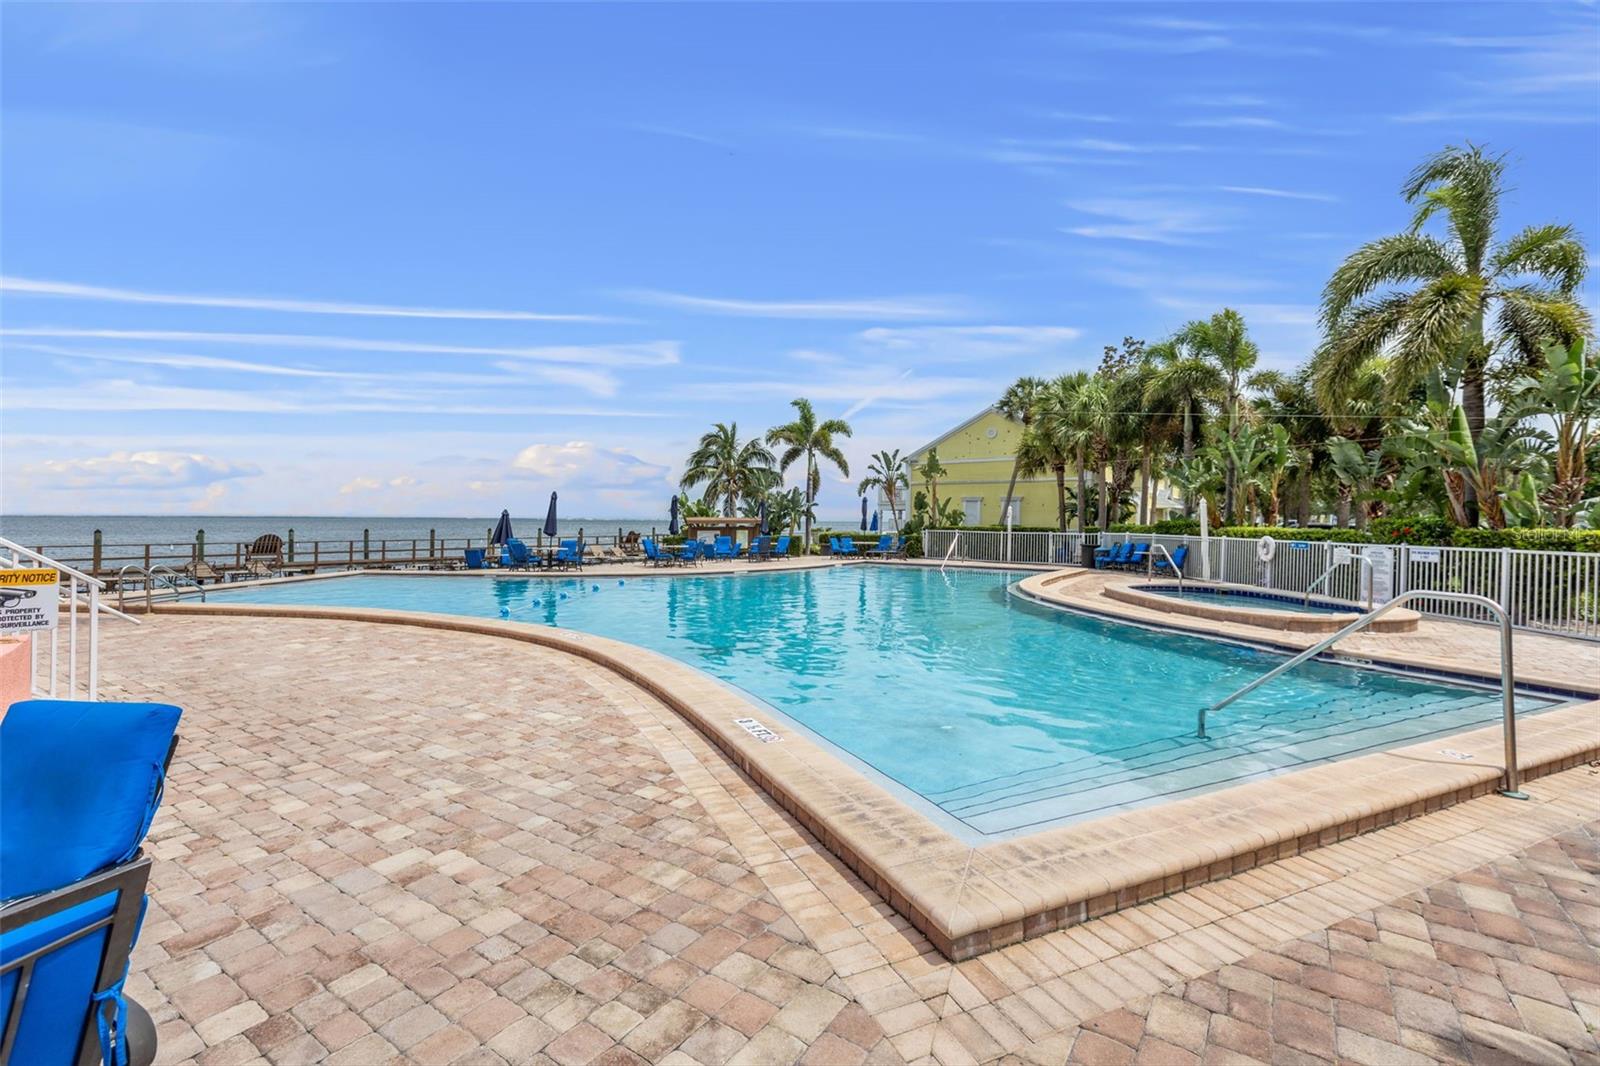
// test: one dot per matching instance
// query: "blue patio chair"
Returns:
(1180, 556)
(690, 552)
(1136, 558)
(1113, 556)
(521, 558)
(884, 546)
(722, 548)
(570, 555)
(79, 785)
(653, 554)
(756, 551)
(474, 559)
(780, 549)
(847, 546)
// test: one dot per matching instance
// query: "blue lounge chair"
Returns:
(1180, 556)
(569, 555)
(690, 552)
(723, 548)
(756, 550)
(884, 546)
(79, 785)
(780, 549)
(653, 554)
(848, 546)
(521, 558)
(1114, 555)
(1136, 558)
(474, 559)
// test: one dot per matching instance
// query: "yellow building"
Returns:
(978, 455)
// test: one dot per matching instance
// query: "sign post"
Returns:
(28, 600)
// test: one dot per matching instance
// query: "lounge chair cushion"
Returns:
(79, 785)
(62, 984)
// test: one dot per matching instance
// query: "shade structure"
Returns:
(762, 514)
(550, 518)
(502, 529)
(874, 527)
(863, 514)
(672, 526)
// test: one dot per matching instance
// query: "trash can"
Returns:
(1086, 557)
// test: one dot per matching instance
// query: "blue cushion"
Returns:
(79, 784)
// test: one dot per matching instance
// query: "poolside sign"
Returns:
(1424, 555)
(757, 730)
(27, 600)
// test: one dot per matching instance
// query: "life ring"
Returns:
(1266, 548)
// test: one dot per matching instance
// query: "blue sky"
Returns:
(440, 259)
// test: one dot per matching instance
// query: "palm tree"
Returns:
(1183, 384)
(1056, 439)
(1224, 341)
(729, 468)
(931, 471)
(886, 471)
(1018, 403)
(809, 439)
(1528, 281)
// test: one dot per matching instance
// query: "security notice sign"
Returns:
(27, 600)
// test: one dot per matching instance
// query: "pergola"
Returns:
(740, 529)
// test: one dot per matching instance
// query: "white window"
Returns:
(972, 510)
(1016, 510)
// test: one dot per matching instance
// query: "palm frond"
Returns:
(1550, 252)
(1529, 315)
(1403, 258)
(1436, 323)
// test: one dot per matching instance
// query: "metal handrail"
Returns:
(160, 573)
(16, 549)
(1150, 564)
(1507, 673)
(1372, 576)
(954, 540)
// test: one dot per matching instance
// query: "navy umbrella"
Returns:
(672, 527)
(502, 529)
(863, 514)
(550, 518)
(763, 514)
(874, 521)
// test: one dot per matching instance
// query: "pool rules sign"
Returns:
(27, 600)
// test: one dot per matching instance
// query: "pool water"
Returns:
(991, 714)
(1228, 598)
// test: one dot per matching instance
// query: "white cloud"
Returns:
(890, 307)
(152, 470)
(583, 463)
(968, 343)
(1225, 122)
(76, 291)
(646, 353)
(1145, 220)
(1282, 194)
(360, 484)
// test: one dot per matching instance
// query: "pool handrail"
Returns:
(1150, 564)
(953, 542)
(1355, 557)
(1508, 708)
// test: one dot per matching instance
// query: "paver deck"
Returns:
(384, 843)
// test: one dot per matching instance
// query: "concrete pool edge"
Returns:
(1400, 620)
(968, 899)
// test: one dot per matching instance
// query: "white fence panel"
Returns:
(1546, 591)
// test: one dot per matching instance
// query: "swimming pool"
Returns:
(992, 715)
(1264, 601)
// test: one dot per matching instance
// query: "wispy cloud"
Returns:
(976, 344)
(1234, 122)
(680, 134)
(147, 470)
(905, 307)
(585, 463)
(77, 291)
(1225, 100)
(1146, 220)
(1280, 194)
(646, 353)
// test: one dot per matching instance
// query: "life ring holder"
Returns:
(1266, 548)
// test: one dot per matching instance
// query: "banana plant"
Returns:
(1568, 391)
(1357, 472)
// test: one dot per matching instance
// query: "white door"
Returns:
(972, 510)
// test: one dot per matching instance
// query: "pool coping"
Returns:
(969, 899)
(1339, 615)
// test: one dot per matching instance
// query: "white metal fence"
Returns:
(1547, 591)
(75, 638)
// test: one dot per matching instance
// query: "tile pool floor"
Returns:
(452, 849)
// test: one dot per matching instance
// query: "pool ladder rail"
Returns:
(1150, 564)
(174, 580)
(1351, 558)
(1511, 780)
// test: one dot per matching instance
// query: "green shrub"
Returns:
(1342, 536)
(1550, 540)
(1171, 527)
(914, 545)
(1414, 529)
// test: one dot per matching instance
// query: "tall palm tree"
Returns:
(1055, 440)
(1428, 300)
(886, 471)
(1182, 385)
(931, 471)
(728, 467)
(806, 438)
(1224, 341)
(1019, 403)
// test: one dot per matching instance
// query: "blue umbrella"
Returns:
(874, 521)
(502, 529)
(863, 514)
(550, 518)
(763, 513)
(672, 527)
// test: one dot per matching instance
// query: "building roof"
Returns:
(953, 430)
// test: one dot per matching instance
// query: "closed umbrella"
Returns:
(874, 522)
(550, 518)
(863, 514)
(763, 513)
(502, 529)
(672, 526)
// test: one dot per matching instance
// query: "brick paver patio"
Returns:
(385, 844)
